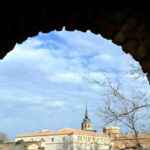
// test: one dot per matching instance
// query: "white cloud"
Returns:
(31, 43)
(55, 104)
(105, 57)
(66, 77)
(50, 71)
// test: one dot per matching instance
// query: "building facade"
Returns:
(85, 138)
(68, 139)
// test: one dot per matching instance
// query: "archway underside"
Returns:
(129, 28)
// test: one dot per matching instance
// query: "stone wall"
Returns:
(12, 146)
(20, 145)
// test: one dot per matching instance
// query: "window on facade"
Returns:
(52, 139)
(64, 139)
(42, 140)
(79, 138)
(89, 139)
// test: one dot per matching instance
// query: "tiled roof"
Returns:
(65, 131)
(37, 133)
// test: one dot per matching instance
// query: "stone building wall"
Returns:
(129, 141)
(71, 142)
(12, 146)
(21, 146)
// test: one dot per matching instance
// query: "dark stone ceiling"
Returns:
(129, 28)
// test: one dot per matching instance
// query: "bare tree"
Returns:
(117, 107)
(130, 112)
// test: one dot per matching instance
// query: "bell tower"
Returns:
(86, 123)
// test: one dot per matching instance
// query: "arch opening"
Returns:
(55, 71)
(126, 27)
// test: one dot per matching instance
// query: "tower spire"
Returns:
(86, 123)
(86, 112)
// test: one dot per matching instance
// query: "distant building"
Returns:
(86, 125)
(121, 141)
(85, 138)
(68, 139)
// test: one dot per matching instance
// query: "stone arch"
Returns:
(126, 27)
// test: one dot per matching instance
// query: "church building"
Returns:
(85, 138)
(86, 125)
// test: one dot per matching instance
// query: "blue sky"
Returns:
(43, 82)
